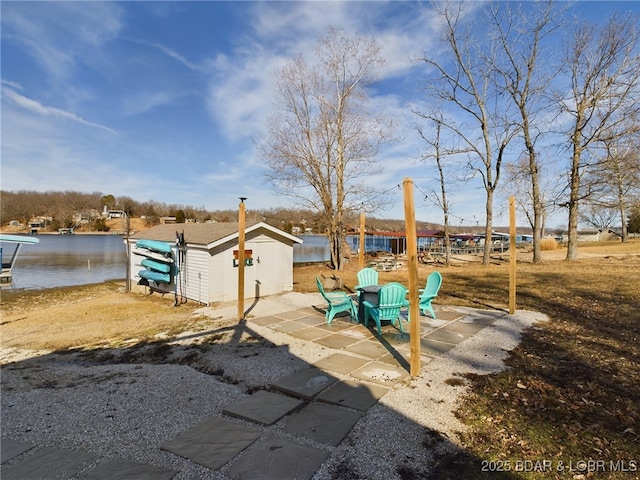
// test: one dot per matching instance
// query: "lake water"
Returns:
(315, 248)
(66, 260)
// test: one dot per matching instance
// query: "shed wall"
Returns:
(271, 272)
(195, 275)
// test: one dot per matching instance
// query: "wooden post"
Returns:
(412, 263)
(127, 233)
(241, 225)
(361, 248)
(512, 255)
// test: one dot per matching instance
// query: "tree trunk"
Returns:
(574, 196)
(535, 192)
(623, 217)
(624, 234)
(335, 237)
(447, 241)
(447, 235)
(488, 244)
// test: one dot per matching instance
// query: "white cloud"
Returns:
(241, 88)
(36, 107)
(14, 85)
(295, 25)
(203, 67)
(143, 102)
(71, 157)
(240, 93)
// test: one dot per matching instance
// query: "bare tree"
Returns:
(616, 177)
(11, 208)
(482, 120)
(520, 36)
(322, 141)
(603, 69)
(598, 216)
(518, 179)
(437, 153)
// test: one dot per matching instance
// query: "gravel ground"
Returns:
(127, 403)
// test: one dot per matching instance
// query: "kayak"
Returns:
(154, 245)
(160, 257)
(155, 276)
(155, 265)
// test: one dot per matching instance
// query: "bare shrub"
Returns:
(549, 244)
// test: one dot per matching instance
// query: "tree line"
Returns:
(64, 208)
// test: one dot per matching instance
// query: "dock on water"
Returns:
(10, 246)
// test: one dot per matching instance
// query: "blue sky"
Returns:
(165, 100)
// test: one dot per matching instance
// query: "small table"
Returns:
(368, 294)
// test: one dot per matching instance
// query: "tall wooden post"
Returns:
(362, 246)
(241, 226)
(512, 255)
(127, 234)
(412, 261)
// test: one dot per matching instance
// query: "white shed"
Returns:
(208, 269)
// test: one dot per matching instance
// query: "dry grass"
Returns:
(87, 316)
(571, 392)
(549, 244)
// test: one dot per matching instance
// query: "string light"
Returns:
(378, 195)
(426, 197)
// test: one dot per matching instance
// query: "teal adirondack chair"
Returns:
(337, 302)
(429, 292)
(391, 300)
(366, 277)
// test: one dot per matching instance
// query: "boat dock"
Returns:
(10, 246)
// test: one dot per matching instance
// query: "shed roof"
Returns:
(206, 233)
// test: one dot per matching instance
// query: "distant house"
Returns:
(85, 217)
(209, 269)
(599, 235)
(35, 224)
(111, 214)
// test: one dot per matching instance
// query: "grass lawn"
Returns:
(571, 394)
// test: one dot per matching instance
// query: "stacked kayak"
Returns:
(155, 265)
(158, 261)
